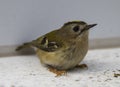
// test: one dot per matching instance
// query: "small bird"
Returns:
(64, 48)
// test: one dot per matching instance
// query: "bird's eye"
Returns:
(76, 28)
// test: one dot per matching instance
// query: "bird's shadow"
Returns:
(92, 66)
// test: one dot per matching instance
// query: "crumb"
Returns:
(77, 80)
(117, 56)
(90, 77)
(116, 75)
(108, 79)
(113, 71)
(32, 74)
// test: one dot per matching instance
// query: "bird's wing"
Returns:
(48, 42)
(49, 45)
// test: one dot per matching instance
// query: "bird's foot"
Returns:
(82, 66)
(57, 72)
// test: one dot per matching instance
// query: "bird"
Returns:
(63, 48)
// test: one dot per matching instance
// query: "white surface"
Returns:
(26, 71)
(25, 20)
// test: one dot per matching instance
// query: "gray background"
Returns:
(25, 20)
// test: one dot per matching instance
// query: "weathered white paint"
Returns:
(25, 20)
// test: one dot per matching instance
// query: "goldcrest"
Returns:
(63, 48)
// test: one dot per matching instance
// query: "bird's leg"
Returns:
(82, 66)
(57, 72)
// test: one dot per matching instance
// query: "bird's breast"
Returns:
(65, 58)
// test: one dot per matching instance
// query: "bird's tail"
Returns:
(25, 45)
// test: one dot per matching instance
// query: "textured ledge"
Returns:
(26, 71)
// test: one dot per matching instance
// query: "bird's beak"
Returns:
(90, 26)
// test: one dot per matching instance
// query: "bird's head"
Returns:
(75, 28)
